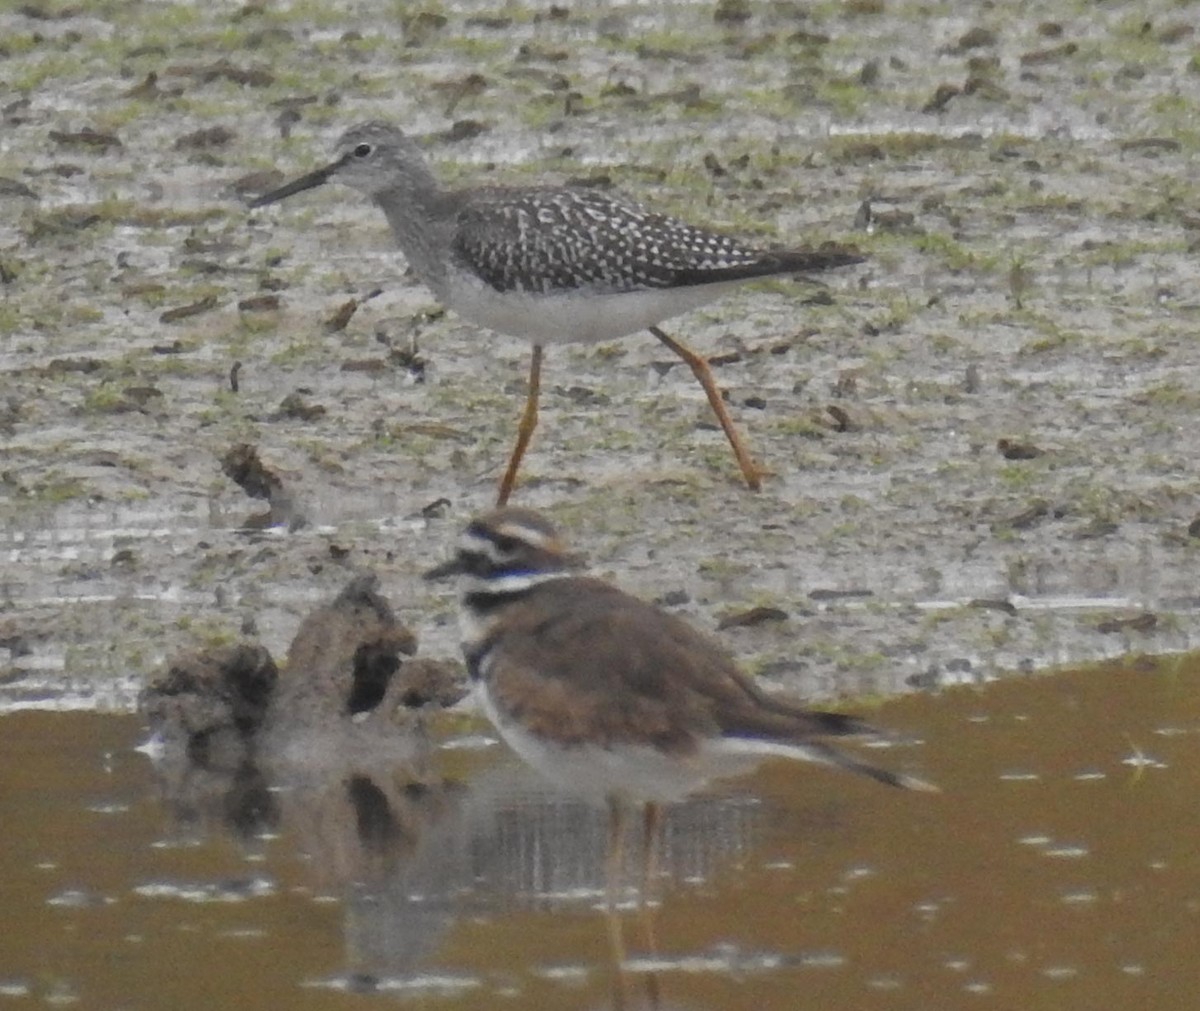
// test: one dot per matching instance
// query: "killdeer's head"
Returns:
(504, 553)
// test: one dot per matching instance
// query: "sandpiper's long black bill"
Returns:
(307, 182)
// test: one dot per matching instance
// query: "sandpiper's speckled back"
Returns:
(552, 239)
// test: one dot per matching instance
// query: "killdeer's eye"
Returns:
(362, 150)
(507, 544)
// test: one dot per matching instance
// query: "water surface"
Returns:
(1057, 870)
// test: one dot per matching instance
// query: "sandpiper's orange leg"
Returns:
(701, 371)
(529, 420)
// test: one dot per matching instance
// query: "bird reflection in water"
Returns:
(411, 852)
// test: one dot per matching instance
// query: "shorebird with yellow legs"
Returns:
(554, 264)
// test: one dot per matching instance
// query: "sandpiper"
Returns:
(611, 696)
(553, 264)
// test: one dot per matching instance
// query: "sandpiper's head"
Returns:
(507, 550)
(370, 157)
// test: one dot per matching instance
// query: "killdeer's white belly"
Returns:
(577, 316)
(633, 772)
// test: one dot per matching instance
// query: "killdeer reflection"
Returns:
(607, 694)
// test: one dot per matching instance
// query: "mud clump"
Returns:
(212, 703)
(220, 706)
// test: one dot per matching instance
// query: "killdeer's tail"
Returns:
(823, 754)
(826, 755)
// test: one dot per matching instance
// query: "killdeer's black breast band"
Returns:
(485, 602)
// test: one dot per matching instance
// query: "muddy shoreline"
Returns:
(981, 443)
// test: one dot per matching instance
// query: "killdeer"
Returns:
(553, 264)
(607, 694)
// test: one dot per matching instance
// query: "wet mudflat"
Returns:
(981, 442)
(1056, 871)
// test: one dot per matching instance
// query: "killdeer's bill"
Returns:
(609, 695)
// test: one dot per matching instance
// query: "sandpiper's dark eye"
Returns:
(362, 150)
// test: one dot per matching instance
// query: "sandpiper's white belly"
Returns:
(579, 316)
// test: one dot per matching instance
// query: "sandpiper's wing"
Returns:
(560, 238)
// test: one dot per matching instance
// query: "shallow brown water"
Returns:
(1057, 870)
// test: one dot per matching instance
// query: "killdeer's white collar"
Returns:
(500, 558)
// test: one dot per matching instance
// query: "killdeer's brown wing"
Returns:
(581, 660)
